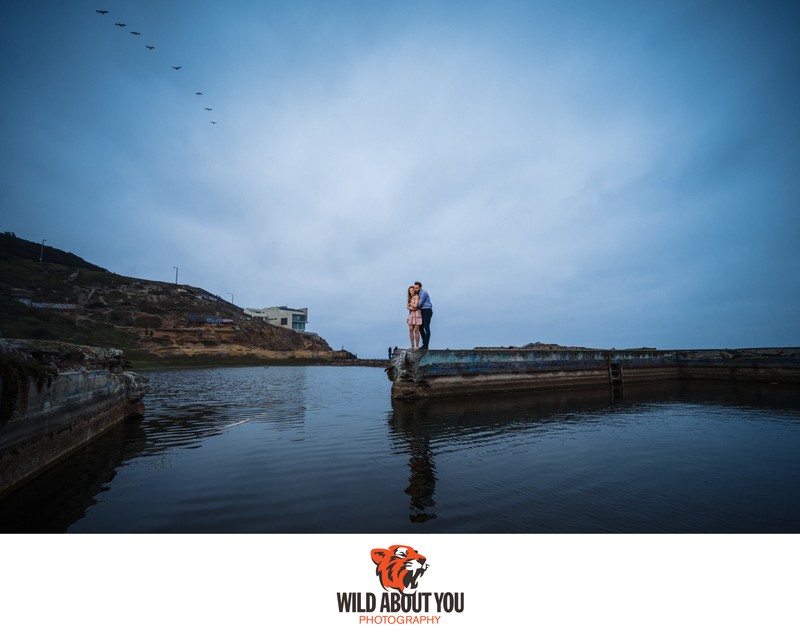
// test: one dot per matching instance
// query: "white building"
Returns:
(294, 319)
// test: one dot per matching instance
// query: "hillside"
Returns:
(66, 298)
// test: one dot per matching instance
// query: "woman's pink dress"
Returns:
(414, 315)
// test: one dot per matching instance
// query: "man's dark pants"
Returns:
(425, 329)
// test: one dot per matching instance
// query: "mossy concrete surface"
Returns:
(419, 373)
(56, 397)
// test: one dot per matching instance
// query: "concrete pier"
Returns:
(450, 373)
(56, 397)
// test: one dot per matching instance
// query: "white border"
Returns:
(510, 582)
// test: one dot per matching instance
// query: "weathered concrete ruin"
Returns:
(56, 397)
(451, 373)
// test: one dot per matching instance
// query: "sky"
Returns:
(605, 174)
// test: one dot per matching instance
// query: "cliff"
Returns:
(68, 299)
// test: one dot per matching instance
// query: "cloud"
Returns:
(609, 178)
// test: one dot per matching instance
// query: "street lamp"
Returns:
(41, 254)
(176, 274)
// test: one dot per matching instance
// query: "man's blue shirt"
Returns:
(425, 300)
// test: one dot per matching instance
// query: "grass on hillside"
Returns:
(49, 278)
(20, 321)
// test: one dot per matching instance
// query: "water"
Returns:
(323, 450)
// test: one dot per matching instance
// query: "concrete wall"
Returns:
(781, 364)
(55, 398)
(431, 373)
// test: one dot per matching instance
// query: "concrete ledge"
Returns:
(448, 373)
(55, 398)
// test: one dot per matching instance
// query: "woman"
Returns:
(414, 319)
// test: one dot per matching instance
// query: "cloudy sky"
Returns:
(607, 174)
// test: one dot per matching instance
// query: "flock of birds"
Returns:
(150, 47)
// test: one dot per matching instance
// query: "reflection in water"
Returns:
(465, 419)
(425, 428)
(412, 436)
(184, 408)
(422, 482)
(62, 495)
(324, 450)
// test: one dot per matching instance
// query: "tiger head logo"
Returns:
(399, 567)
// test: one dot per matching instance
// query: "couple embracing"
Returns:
(420, 312)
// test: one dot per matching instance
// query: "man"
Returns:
(426, 307)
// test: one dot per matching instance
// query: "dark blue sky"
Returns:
(610, 174)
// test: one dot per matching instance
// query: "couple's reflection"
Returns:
(420, 428)
(411, 435)
(423, 428)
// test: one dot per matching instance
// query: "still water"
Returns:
(324, 450)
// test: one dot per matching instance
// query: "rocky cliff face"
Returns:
(148, 320)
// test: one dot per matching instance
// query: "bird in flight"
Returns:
(101, 11)
(209, 109)
(135, 33)
(177, 67)
(213, 122)
(120, 24)
(148, 47)
(200, 93)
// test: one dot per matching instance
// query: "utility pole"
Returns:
(41, 254)
(176, 275)
(231, 295)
